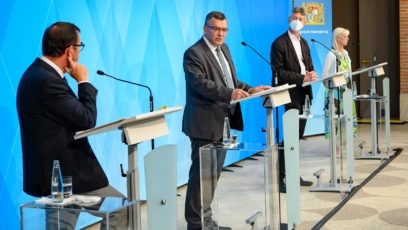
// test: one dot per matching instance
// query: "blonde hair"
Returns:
(339, 31)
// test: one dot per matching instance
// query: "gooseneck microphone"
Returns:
(100, 72)
(331, 50)
(276, 83)
(260, 55)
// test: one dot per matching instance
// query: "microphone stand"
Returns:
(376, 85)
(338, 97)
(133, 83)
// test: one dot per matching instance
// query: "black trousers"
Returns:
(192, 211)
(302, 125)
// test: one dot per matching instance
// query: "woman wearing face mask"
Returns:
(292, 62)
(333, 65)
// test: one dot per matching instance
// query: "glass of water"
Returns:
(67, 182)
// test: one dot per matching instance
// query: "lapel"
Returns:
(303, 46)
(214, 61)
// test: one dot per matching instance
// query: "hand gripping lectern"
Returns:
(138, 129)
(374, 72)
(334, 81)
(273, 98)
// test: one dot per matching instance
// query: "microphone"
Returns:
(100, 72)
(260, 55)
(331, 50)
(276, 83)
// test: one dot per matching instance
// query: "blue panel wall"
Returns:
(141, 41)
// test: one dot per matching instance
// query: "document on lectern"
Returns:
(264, 93)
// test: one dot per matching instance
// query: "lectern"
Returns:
(334, 81)
(374, 72)
(135, 130)
(273, 98)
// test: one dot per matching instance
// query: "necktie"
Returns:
(227, 74)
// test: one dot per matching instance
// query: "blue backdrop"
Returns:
(141, 41)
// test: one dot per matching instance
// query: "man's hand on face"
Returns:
(76, 70)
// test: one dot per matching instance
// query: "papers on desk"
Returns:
(80, 200)
(264, 93)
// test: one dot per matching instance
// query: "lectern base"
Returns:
(283, 226)
(381, 156)
(338, 187)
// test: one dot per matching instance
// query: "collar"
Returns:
(211, 46)
(292, 36)
(53, 65)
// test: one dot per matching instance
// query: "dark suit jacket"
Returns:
(207, 95)
(285, 61)
(49, 115)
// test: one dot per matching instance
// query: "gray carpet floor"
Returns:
(381, 204)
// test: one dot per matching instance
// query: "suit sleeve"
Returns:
(60, 103)
(196, 77)
(279, 62)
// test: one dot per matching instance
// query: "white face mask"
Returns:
(296, 25)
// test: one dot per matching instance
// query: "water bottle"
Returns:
(306, 107)
(354, 89)
(57, 187)
(226, 135)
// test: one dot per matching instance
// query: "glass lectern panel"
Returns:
(235, 198)
(375, 114)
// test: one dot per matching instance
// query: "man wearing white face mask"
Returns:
(290, 56)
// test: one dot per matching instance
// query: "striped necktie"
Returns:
(227, 74)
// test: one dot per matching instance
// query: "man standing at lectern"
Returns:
(290, 56)
(211, 83)
(50, 113)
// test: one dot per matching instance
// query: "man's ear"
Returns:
(68, 51)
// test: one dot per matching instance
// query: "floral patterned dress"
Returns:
(345, 64)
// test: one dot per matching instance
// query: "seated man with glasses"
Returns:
(50, 113)
(211, 83)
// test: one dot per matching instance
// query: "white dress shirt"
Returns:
(298, 50)
(212, 48)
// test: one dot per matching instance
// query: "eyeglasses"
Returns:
(81, 46)
(224, 30)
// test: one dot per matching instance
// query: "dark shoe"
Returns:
(210, 224)
(282, 188)
(305, 182)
